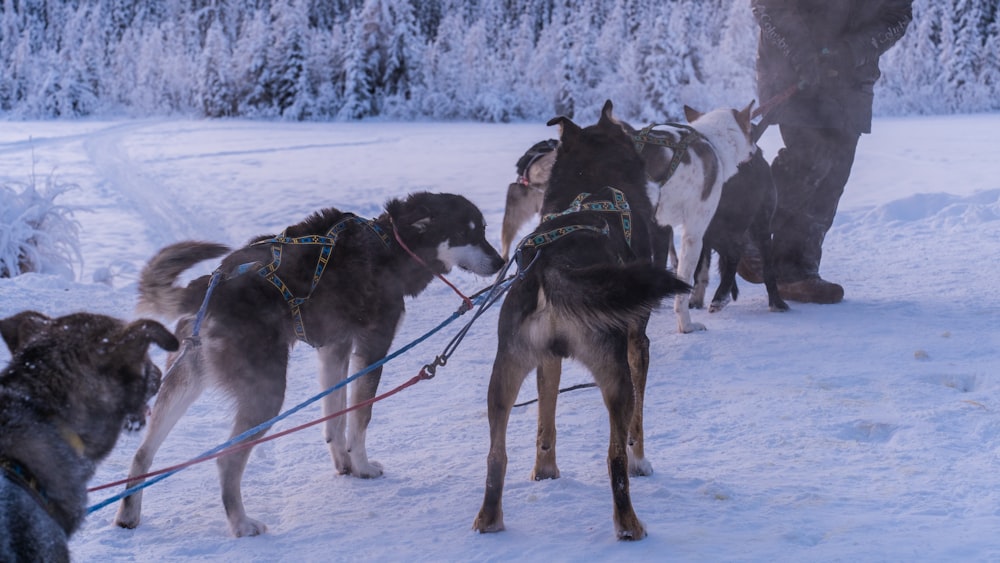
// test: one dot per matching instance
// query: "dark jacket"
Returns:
(842, 40)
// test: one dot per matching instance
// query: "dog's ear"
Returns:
(567, 129)
(691, 114)
(22, 328)
(606, 112)
(608, 120)
(744, 116)
(139, 334)
(412, 213)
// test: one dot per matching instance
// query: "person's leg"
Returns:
(810, 173)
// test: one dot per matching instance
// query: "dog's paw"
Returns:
(640, 467)
(541, 472)
(126, 522)
(488, 524)
(778, 307)
(628, 527)
(632, 534)
(247, 527)
(367, 469)
(134, 422)
(691, 327)
(717, 306)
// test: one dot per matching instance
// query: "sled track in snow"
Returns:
(165, 216)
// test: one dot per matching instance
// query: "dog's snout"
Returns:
(496, 262)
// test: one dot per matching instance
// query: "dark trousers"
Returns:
(810, 173)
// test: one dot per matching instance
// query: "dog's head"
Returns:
(590, 158)
(93, 372)
(734, 124)
(534, 167)
(445, 230)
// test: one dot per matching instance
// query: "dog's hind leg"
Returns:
(701, 272)
(255, 377)
(548, 375)
(182, 385)
(727, 289)
(690, 253)
(760, 231)
(334, 361)
(612, 373)
(509, 371)
(638, 362)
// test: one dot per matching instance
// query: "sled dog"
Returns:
(585, 290)
(746, 208)
(352, 306)
(686, 167)
(72, 385)
(524, 197)
(714, 145)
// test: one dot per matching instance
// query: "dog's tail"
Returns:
(157, 293)
(605, 295)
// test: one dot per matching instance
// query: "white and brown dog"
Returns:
(686, 167)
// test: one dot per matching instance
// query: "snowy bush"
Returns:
(36, 234)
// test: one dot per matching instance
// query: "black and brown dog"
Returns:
(72, 384)
(586, 288)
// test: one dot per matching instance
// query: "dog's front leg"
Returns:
(364, 390)
(548, 375)
(334, 361)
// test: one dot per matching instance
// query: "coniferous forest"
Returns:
(487, 60)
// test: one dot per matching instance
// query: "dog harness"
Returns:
(647, 136)
(20, 476)
(618, 205)
(327, 242)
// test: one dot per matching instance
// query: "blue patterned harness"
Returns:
(618, 205)
(327, 242)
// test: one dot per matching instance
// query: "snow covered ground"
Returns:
(865, 431)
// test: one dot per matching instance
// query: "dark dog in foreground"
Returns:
(72, 384)
(744, 209)
(586, 289)
(343, 281)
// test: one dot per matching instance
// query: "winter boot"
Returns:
(811, 290)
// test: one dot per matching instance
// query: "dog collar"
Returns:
(20, 476)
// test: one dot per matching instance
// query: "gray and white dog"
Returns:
(73, 382)
(344, 299)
